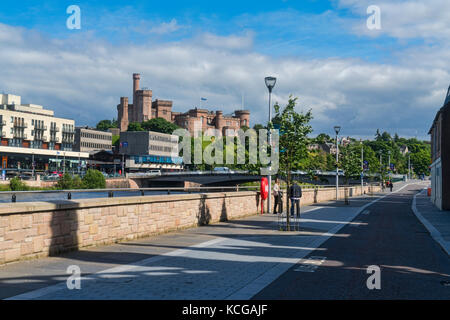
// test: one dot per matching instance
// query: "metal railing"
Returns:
(110, 192)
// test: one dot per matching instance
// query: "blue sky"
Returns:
(321, 51)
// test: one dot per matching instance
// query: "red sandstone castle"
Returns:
(143, 108)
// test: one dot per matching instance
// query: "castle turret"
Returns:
(219, 120)
(244, 117)
(122, 112)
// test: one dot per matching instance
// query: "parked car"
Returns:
(222, 170)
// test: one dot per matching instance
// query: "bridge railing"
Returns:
(151, 191)
(187, 173)
(112, 191)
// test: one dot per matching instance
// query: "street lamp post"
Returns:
(123, 164)
(32, 165)
(362, 167)
(270, 83)
(64, 163)
(337, 129)
(409, 166)
(389, 163)
(381, 167)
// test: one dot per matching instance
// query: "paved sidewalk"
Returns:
(436, 221)
(230, 260)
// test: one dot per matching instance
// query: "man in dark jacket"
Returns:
(295, 193)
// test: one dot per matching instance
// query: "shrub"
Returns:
(65, 182)
(77, 183)
(94, 179)
(15, 184)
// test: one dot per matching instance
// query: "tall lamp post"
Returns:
(270, 83)
(389, 164)
(362, 167)
(337, 129)
(32, 165)
(381, 167)
(409, 165)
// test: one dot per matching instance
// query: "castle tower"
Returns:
(122, 111)
(136, 78)
(143, 105)
(219, 120)
(244, 117)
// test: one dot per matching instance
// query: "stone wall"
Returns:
(35, 229)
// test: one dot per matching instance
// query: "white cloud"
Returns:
(404, 19)
(84, 79)
(165, 27)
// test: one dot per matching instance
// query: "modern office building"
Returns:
(146, 150)
(143, 108)
(440, 156)
(91, 140)
(33, 138)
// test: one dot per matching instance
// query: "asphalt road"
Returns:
(412, 265)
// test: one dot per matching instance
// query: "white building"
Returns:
(32, 137)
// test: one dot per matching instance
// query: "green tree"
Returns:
(104, 125)
(135, 126)
(15, 184)
(77, 183)
(420, 161)
(115, 140)
(323, 138)
(294, 129)
(94, 179)
(65, 182)
(159, 125)
(350, 161)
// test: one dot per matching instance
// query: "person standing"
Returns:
(295, 193)
(391, 186)
(277, 196)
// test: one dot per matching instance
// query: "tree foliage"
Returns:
(94, 179)
(104, 125)
(159, 125)
(294, 129)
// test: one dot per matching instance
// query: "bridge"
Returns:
(231, 178)
(207, 178)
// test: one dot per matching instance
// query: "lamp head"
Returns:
(337, 129)
(270, 82)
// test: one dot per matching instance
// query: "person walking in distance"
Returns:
(391, 186)
(277, 196)
(295, 193)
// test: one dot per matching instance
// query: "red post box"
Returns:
(264, 190)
